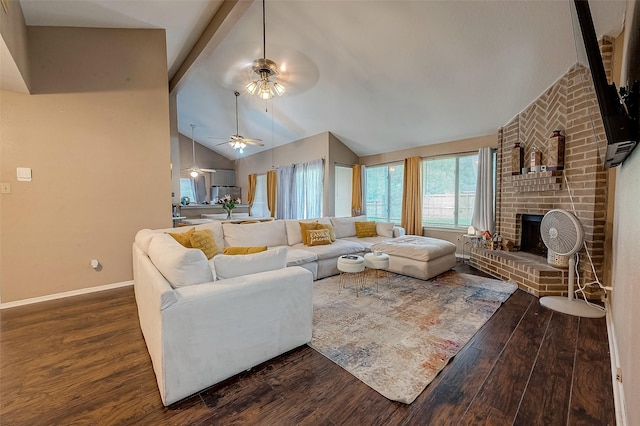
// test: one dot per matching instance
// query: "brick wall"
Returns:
(569, 105)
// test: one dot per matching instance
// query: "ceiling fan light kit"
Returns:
(265, 68)
(194, 170)
(237, 141)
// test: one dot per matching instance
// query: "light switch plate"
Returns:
(5, 188)
(24, 174)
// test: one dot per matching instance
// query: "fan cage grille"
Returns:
(561, 232)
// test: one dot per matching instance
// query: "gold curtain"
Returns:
(252, 191)
(412, 196)
(271, 192)
(356, 190)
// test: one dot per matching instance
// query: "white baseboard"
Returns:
(618, 389)
(64, 294)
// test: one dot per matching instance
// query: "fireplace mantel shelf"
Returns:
(550, 180)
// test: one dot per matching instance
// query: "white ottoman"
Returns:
(377, 263)
(353, 265)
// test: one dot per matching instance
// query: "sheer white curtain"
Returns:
(309, 182)
(483, 210)
(300, 190)
(286, 194)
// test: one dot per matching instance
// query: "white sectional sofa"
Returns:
(203, 323)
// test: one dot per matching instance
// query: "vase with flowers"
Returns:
(228, 204)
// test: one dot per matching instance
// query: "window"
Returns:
(449, 190)
(383, 192)
(186, 189)
(259, 207)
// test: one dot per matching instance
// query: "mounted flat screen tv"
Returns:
(619, 109)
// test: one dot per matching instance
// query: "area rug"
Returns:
(398, 339)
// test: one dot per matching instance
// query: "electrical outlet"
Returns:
(619, 375)
(5, 188)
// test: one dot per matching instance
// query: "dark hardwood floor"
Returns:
(83, 360)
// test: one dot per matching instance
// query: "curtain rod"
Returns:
(428, 156)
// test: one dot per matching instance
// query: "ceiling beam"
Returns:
(227, 15)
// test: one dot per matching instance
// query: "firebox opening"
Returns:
(530, 239)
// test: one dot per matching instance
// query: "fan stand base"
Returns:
(576, 307)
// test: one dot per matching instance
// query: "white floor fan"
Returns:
(562, 233)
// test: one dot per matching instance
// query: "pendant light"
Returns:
(265, 68)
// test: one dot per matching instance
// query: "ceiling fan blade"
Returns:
(208, 170)
(225, 142)
(253, 142)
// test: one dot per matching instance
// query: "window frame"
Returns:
(388, 166)
(456, 207)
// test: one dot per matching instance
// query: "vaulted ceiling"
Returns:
(380, 75)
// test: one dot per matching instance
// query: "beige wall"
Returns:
(626, 270)
(339, 154)
(459, 146)
(14, 34)
(96, 135)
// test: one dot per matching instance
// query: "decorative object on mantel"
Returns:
(516, 159)
(228, 204)
(185, 201)
(556, 151)
(536, 159)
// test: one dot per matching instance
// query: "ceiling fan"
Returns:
(237, 141)
(195, 170)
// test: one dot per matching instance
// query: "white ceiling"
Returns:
(380, 75)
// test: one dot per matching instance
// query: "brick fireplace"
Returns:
(565, 106)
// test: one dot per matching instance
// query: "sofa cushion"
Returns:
(297, 257)
(367, 242)
(216, 229)
(203, 240)
(336, 249)
(292, 226)
(234, 266)
(242, 250)
(318, 237)
(304, 228)
(329, 227)
(385, 229)
(183, 238)
(181, 266)
(366, 229)
(270, 234)
(346, 226)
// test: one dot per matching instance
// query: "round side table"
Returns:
(378, 263)
(352, 265)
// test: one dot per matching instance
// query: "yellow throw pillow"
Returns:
(328, 226)
(183, 238)
(318, 237)
(204, 241)
(365, 229)
(243, 250)
(304, 227)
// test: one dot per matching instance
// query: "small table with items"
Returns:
(378, 263)
(353, 265)
(469, 239)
